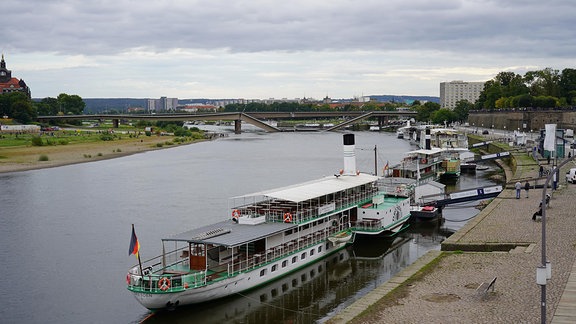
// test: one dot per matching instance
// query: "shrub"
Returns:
(159, 144)
(107, 137)
(148, 133)
(99, 154)
(37, 141)
(63, 142)
(43, 157)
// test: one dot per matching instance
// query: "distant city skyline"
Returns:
(264, 49)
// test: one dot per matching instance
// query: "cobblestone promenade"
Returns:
(447, 292)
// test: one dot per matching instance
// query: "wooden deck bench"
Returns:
(483, 288)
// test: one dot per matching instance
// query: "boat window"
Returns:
(294, 282)
(288, 232)
(274, 267)
(303, 256)
(262, 272)
(320, 249)
(284, 263)
(274, 293)
(284, 287)
(312, 273)
(294, 259)
(312, 252)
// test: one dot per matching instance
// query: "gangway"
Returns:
(480, 144)
(467, 195)
(494, 156)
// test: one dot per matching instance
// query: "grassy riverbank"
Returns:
(19, 153)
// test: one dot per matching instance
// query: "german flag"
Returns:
(134, 245)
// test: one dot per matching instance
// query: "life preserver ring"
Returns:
(235, 214)
(164, 284)
(287, 218)
(423, 161)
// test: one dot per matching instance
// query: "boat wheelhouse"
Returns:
(421, 165)
(268, 235)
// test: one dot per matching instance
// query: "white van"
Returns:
(571, 175)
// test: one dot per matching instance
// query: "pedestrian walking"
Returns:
(548, 158)
(518, 187)
(527, 188)
(541, 171)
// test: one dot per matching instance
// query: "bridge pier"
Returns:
(115, 122)
(237, 126)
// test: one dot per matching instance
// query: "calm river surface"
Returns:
(65, 231)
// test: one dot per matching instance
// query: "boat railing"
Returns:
(168, 272)
(271, 255)
(302, 214)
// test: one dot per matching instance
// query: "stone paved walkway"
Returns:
(447, 292)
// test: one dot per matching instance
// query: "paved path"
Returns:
(447, 292)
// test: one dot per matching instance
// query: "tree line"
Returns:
(547, 88)
(18, 106)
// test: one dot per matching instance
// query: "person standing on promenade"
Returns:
(527, 187)
(541, 171)
(518, 187)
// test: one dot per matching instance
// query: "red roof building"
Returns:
(8, 83)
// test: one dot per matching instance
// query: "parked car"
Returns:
(571, 175)
(485, 132)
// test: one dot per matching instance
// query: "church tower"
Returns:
(8, 83)
(5, 74)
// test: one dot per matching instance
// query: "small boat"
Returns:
(424, 213)
(269, 235)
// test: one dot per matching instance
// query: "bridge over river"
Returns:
(257, 119)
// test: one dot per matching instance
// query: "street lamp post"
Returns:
(544, 271)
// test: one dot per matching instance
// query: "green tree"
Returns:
(443, 115)
(18, 106)
(48, 107)
(462, 109)
(567, 85)
(425, 111)
(71, 104)
(544, 82)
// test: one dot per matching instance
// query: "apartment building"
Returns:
(454, 91)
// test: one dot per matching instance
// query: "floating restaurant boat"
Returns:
(269, 234)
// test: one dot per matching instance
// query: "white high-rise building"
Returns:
(454, 91)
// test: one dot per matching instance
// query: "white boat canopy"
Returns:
(314, 189)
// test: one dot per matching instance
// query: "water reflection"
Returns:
(319, 291)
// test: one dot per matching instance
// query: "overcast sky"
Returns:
(278, 49)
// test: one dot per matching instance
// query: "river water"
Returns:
(65, 231)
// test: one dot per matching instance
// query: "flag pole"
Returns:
(138, 253)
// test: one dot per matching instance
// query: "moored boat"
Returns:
(269, 234)
(424, 213)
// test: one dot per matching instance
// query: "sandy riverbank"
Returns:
(14, 159)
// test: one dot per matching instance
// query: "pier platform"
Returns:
(502, 242)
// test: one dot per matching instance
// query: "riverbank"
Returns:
(502, 242)
(23, 158)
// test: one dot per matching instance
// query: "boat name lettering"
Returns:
(143, 295)
(326, 208)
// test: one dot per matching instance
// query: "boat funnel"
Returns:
(349, 155)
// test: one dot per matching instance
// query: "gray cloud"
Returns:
(265, 48)
(106, 27)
